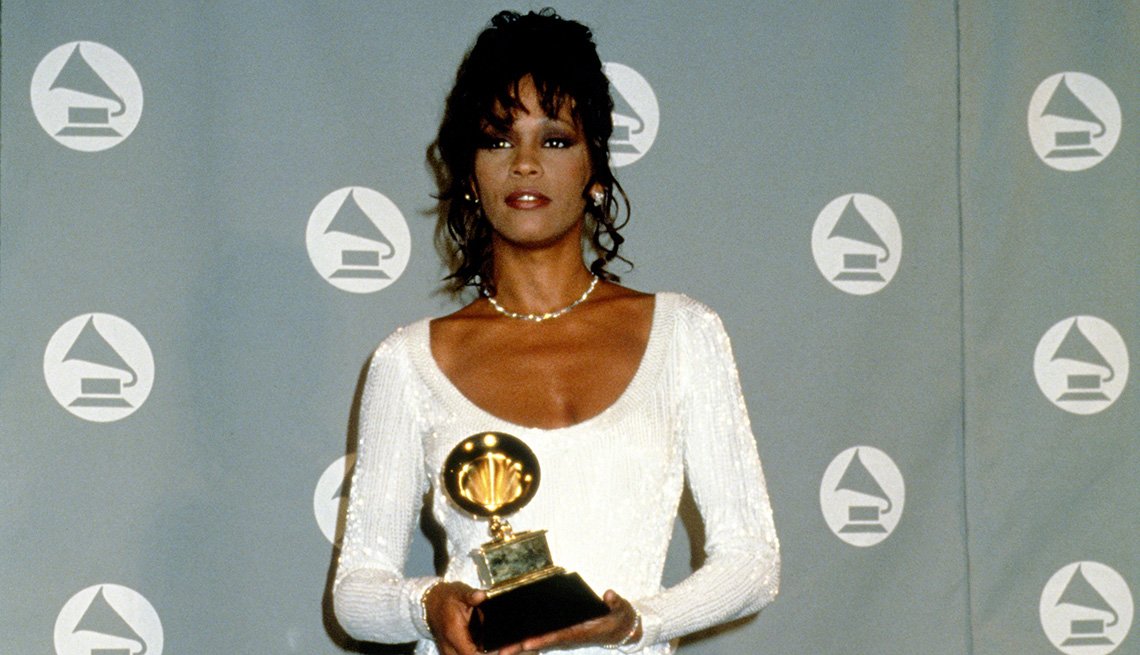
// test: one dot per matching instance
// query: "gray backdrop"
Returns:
(939, 388)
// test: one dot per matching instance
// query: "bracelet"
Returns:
(628, 638)
(423, 602)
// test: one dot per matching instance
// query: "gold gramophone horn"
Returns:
(491, 474)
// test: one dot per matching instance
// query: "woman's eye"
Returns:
(490, 142)
(559, 142)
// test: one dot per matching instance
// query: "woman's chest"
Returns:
(549, 384)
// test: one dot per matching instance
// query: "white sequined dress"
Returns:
(608, 495)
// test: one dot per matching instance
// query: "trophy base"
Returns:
(546, 605)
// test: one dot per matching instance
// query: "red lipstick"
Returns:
(527, 199)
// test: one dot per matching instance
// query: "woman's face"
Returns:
(530, 177)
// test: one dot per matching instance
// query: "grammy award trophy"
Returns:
(492, 475)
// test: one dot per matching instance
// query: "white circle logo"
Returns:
(99, 367)
(330, 494)
(108, 618)
(86, 96)
(358, 240)
(1081, 364)
(636, 114)
(1074, 121)
(1086, 609)
(862, 495)
(857, 244)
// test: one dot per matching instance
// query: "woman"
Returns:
(623, 396)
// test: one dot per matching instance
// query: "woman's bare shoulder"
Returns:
(625, 303)
(449, 334)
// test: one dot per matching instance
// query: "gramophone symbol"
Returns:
(97, 390)
(1087, 631)
(358, 240)
(626, 122)
(859, 266)
(86, 96)
(1074, 121)
(99, 367)
(362, 262)
(87, 119)
(109, 627)
(1076, 140)
(862, 495)
(108, 619)
(636, 114)
(1076, 347)
(864, 518)
(856, 243)
(1086, 608)
(1081, 364)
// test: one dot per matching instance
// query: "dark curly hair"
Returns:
(562, 59)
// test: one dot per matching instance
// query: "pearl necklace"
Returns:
(538, 318)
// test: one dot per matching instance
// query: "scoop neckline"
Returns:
(636, 390)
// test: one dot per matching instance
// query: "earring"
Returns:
(599, 198)
(467, 195)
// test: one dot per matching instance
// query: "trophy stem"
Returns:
(501, 530)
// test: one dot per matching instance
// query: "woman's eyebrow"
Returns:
(559, 122)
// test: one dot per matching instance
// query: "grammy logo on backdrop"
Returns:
(99, 367)
(857, 243)
(1076, 141)
(1074, 121)
(360, 262)
(1086, 608)
(859, 266)
(87, 119)
(101, 619)
(862, 495)
(1081, 364)
(1077, 348)
(636, 114)
(108, 619)
(863, 517)
(358, 240)
(1088, 631)
(627, 122)
(100, 390)
(86, 96)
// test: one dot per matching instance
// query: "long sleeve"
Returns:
(372, 599)
(740, 574)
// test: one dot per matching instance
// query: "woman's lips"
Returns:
(527, 200)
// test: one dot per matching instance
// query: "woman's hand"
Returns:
(448, 608)
(608, 629)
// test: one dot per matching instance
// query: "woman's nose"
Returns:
(526, 162)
